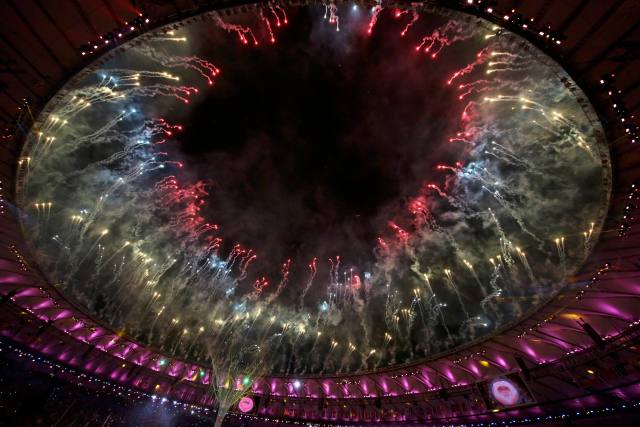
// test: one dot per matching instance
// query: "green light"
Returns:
(246, 381)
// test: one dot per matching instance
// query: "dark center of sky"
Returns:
(313, 144)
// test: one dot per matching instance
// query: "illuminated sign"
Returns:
(505, 392)
(245, 404)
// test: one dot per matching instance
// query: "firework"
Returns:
(117, 216)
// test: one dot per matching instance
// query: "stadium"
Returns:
(319, 213)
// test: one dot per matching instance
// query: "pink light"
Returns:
(501, 361)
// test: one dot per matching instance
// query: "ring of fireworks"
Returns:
(506, 197)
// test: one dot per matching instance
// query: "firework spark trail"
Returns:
(470, 107)
(98, 261)
(566, 121)
(489, 304)
(193, 342)
(364, 358)
(559, 241)
(267, 24)
(461, 137)
(481, 57)
(174, 259)
(186, 201)
(153, 322)
(92, 95)
(506, 255)
(547, 128)
(334, 286)
(47, 213)
(347, 355)
(233, 256)
(542, 110)
(313, 269)
(113, 255)
(75, 266)
(570, 130)
(241, 31)
(179, 92)
(431, 220)
(582, 143)
(392, 306)
(275, 15)
(505, 57)
(452, 200)
(366, 343)
(315, 341)
(481, 174)
(79, 100)
(149, 305)
(128, 91)
(98, 136)
(332, 267)
(414, 17)
(258, 287)
(495, 274)
(492, 183)
(554, 120)
(421, 215)
(409, 316)
(438, 190)
(135, 289)
(587, 238)
(286, 266)
(457, 168)
(333, 346)
(454, 287)
(509, 157)
(119, 78)
(137, 140)
(381, 355)
(515, 215)
(275, 9)
(331, 13)
(507, 66)
(402, 235)
(450, 33)
(523, 259)
(417, 302)
(91, 217)
(375, 13)
(248, 259)
(204, 68)
(478, 86)
(438, 309)
(117, 273)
